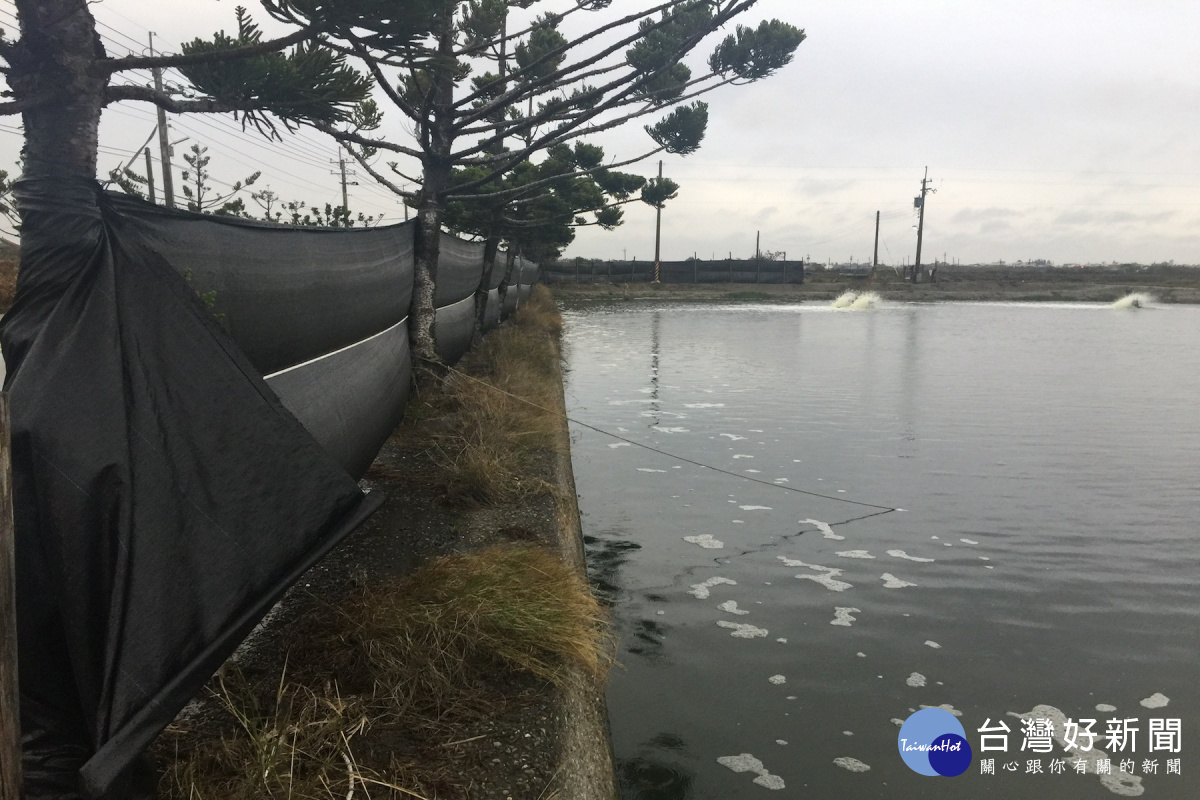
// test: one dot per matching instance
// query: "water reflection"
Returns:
(648, 777)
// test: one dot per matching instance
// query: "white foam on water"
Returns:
(619, 444)
(622, 430)
(792, 697)
(984, 558)
(988, 566)
(824, 528)
(752, 470)
(703, 405)
(847, 733)
(731, 607)
(902, 554)
(844, 616)
(1135, 300)
(733, 437)
(899, 723)
(756, 430)
(854, 554)
(933, 644)
(639, 401)
(677, 466)
(890, 581)
(660, 613)
(743, 631)
(780, 742)
(828, 581)
(647, 469)
(861, 655)
(1119, 783)
(947, 544)
(852, 764)
(1105, 707)
(755, 508)
(739, 522)
(781, 640)
(916, 680)
(706, 541)
(968, 541)
(700, 590)
(933, 537)
(672, 430)
(742, 455)
(781, 480)
(778, 680)
(844, 300)
(946, 707)
(1156, 700)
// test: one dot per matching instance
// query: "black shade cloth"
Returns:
(289, 294)
(459, 271)
(164, 497)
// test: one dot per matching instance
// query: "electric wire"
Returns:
(882, 509)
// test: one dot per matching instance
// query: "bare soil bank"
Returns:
(1167, 284)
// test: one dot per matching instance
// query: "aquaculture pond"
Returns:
(778, 624)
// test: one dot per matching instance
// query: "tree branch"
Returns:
(215, 56)
(362, 141)
(374, 173)
(166, 102)
(517, 191)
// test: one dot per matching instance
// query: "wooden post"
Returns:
(10, 698)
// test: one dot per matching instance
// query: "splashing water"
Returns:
(866, 300)
(1135, 300)
(845, 300)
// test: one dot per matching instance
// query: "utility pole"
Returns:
(164, 146)
(149, 176)
(919, 202)
(757, 257)
(875, 258)
(341, 162)
(657, 228)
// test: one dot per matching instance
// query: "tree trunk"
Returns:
(55, 58)
(437, 170)
(491, 247)
(508, 271)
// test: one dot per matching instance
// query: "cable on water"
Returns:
(882, 509)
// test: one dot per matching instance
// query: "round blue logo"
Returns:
(932, 742)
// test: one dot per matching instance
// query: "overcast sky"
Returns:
(1058, 129)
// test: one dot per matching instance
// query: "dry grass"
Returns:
(481, 430)
(404, 663)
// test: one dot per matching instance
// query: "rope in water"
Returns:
(883, 509)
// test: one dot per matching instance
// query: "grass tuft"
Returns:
(406, 661)
(481, 430)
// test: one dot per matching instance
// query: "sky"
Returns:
(1062, 130)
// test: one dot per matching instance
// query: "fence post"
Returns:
(10, 697)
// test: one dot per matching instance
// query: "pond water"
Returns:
(776, 628)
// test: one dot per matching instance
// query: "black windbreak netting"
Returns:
(164, 497)
(459, 270)
(286, 294)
